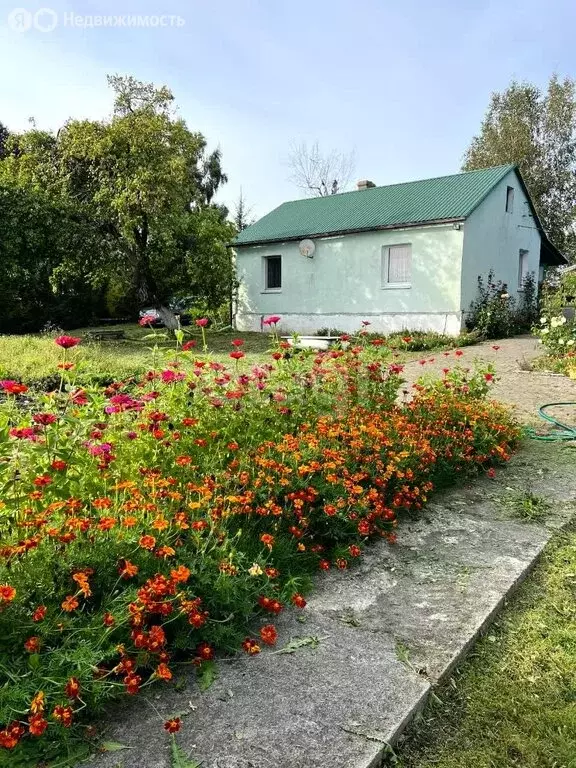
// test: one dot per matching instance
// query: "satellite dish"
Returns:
(307, 248)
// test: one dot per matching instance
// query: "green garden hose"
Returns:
(560, 431)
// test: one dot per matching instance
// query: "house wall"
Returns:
(493, 239)
(341, 285)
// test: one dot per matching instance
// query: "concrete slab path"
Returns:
(385, 632)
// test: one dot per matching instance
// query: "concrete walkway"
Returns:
(518, 387)
(385, 633)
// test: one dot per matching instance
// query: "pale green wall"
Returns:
(344, 278)
(493, 239)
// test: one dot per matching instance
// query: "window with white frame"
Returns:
(272, 273)
(522, 268)
(397, 266)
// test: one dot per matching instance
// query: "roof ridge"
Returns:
(509, 166)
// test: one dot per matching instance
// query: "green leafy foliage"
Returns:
(535, 130)
(120, 207)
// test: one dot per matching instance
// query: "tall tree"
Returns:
(319, 173)
(536, 130)
(242, 213)
(148, 182)
(4, 134)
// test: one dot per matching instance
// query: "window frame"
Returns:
(509, 199)
(265, 260)
(385, 283)
(522, 252)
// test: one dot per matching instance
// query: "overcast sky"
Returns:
(403, 84)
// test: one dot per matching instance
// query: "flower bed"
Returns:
(166, 519)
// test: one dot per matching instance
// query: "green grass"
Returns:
(34, 358)
(513, 702)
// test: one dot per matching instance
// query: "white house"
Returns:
(405, 256)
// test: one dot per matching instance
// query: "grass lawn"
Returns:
(513, 702)
(35, 357)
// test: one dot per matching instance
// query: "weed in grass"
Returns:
(526, 505)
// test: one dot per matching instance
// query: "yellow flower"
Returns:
(255, 570)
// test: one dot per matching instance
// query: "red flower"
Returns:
(324, 565)
(44, 418)
(37, 724)
(238, 342)
(298, 600)
(32, 645)
(251, 646)
(108, 620)
(40, 613)
(495, 347)
(354, 550)
(272, 320)
(132, 683)
(188, 346)
(489, 376)
(205, 652)
(58, 465)
(491, 472)
(269, 634)
(202, 322)
(366, 323)
(148, 319)
(458, 353)
(173, 725)
(13, 387)
(67, 342)
(237, 354)
(63, 715)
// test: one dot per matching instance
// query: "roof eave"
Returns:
(336, 233)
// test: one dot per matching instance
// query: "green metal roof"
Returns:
(414, 202)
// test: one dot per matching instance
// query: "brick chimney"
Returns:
(365, 184)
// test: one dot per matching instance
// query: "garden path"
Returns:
(385, 632)
(524, 390)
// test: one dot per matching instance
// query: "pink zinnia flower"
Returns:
(66, 342)
(272, 320)
(202, 322)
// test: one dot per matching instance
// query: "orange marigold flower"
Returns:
(324, 565)
(160, 524)
(7, 593)
(108, 620)
(37, 703)
(163, 672)
(267, 539)
(272, 573)
(11, 735)
(70, 603)
(32, 645)
(37, 725)
(127, 570)
(180, 574)
(63, 715)
(173, 725)
(147, 542)
(251, 646)
(40, 613)
(72, 688)
(165, 551)
(269, 634)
